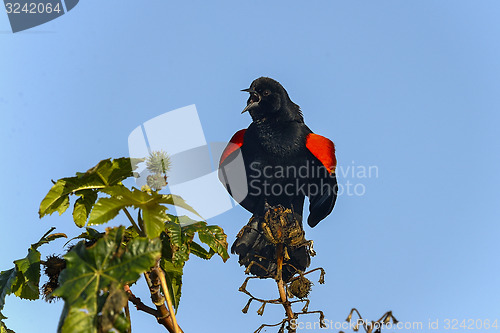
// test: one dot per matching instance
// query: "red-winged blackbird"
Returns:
(284, 161)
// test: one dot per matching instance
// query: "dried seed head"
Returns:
(300, 287)
(53, 266)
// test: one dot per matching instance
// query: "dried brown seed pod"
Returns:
(300, 287)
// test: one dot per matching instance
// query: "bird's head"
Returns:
(269, 100)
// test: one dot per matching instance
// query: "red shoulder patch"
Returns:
(234, 144)
(323, 149)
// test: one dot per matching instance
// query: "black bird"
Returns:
(283, 162)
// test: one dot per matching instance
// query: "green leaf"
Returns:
(174, 232)
(130, 233)
(154, 217)
(181, 255)
(7, 279)
(55, 236)
(179, 249)
(216, 239)
(178, 244)
(28, 276)
(200, 252)
(83, 206)
(91, 271)
(47, 238)
(134, 197)
(115, 171)
(106, 209)
(191, 229)
(106, 177)
(121, 197)
(121, 323)
(76, 320)
(151, 204)
(24, 278)
(181, 230)
(105, 173)
(59, 193)
(112, 308)
(61, 205)
(89, 234)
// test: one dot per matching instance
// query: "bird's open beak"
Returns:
(253, 101)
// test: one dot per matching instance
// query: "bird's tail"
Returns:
(256, 244)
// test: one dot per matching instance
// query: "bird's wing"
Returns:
(322, 181)
(233, 146)
(232, 172)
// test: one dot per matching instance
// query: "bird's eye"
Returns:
(267, 92)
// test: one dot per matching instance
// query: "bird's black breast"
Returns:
(276, 142)
(272, 152)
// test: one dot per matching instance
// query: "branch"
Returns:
(164, 318)
(139, 304)
(164, 286)
(127, 314)
(281, 286)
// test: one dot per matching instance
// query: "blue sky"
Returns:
(411, 87)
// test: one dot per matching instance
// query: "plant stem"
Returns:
(281, 286)
(164, 318)
(139, 304)
(168, 297)
(127, 313)
(136, 227)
